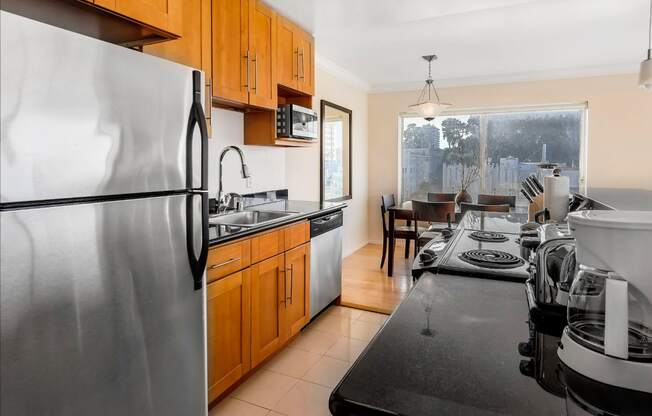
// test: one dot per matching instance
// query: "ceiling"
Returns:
(378, 43)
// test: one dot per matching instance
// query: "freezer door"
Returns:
(83, 118)
(99, 312)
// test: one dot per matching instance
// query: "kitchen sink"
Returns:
(249, 219)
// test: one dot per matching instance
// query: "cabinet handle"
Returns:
(297, 54)
(224, 263)
(255, 60)
(247, 71)
(209, 96)
(302, 76)
(290, 298)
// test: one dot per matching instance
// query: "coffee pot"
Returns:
(609, 332)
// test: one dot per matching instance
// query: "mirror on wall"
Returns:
(336, 127)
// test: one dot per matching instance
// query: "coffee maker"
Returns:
(609, 333)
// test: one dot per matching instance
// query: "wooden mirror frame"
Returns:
(322, 113)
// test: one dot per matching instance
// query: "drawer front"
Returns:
(297, 234)
(227, 259)
(267, 245)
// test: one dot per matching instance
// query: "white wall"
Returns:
(297, 169)
(619, 128)
(302, 164)
(266, 164)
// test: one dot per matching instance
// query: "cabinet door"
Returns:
(306, 69)
(287, 54)
(194, 47)
(228, 331)
(268, 331)
(262, 48)
(161, 14)
(231, 57)
(297, 281)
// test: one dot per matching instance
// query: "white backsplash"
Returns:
(266, 164)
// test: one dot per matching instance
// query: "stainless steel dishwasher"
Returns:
(325, 260)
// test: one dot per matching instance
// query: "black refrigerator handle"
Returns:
(197, 264)
(196, 117)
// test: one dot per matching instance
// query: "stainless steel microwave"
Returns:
(296, 122)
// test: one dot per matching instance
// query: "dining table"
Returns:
(403, 211)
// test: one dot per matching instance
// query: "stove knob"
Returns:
(526, 349)
(527, 367)
(530, 242)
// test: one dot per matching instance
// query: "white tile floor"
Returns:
(300, 378)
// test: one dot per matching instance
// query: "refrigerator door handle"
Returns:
(198, 118)
(197, 264)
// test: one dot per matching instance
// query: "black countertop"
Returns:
(449, 349)
(219, 234)
(625, 199)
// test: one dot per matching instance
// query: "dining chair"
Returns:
(438, 214)
(482, 207)
(404, 232)
(486, 199)
(440, 197)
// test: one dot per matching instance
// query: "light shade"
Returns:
(429, 109)
(645, 76)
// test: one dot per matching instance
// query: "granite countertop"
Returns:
(219, 234)
(449, 349)
(624, 199)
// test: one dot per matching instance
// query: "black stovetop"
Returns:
(464, 256)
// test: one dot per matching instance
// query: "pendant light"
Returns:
(645, 77)
(426, 106)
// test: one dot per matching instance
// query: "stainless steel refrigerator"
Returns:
(104, 228)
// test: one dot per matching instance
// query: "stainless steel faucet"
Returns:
(222, 203)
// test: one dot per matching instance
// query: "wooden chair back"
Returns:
(433, 211)
(481, 207)
(485, 199)
(386, 201)
(440, 197)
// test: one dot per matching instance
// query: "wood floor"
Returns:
(366, 286)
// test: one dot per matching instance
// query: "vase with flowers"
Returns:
(463, 153)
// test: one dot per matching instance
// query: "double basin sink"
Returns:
(249, 219)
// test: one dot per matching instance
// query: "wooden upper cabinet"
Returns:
(297, 282)
(287, 53)
(268, 300)
(231, 58)
(262, 45)
(193, 48)
(306, 70)
(228, 330)
(161, 14)
(295, 54)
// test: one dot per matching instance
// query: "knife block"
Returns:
(535, 206)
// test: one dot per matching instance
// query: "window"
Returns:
(335, 152)
(491, 152)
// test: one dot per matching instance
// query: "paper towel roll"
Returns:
(555, 196)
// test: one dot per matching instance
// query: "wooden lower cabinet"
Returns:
(297, 281)
(228, 321)
(251, 313)
(268, 298)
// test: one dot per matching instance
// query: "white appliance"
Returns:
(609, 332)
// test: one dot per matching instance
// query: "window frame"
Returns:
(322, 112)
(583, 107)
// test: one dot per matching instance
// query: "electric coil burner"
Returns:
(488, 236)
(493, 259)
